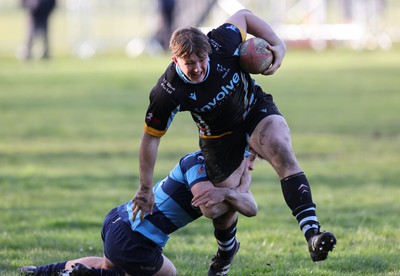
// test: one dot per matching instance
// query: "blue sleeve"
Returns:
(190, 170)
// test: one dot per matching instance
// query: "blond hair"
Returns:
(187, 41)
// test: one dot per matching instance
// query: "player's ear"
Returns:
(175, 59)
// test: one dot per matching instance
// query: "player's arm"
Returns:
(215, 201)
(250, 23)
(156, 122)
(144, 197)
(240, 198)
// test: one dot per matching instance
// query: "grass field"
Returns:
(69, 139)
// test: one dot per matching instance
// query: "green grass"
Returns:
(69, 139)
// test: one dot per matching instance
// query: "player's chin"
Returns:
(197, 79)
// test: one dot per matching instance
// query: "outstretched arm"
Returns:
(143, 200)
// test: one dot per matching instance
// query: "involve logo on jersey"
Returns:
(226, 91)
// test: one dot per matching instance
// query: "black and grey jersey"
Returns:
(219, 104)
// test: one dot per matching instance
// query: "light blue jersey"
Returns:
(173, 201)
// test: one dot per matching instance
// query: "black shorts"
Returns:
(129, 250)
(224, 155)
(263, 107)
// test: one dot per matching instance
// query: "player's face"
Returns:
(194, 67)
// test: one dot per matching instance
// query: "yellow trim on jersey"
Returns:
(214, 136)
(242, 34)
(153, 131)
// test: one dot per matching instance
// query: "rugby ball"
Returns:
(254, 57)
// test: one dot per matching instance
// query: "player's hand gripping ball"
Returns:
(254, 56)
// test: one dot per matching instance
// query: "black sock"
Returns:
(51, 269)
(226, 240)
(297, 194)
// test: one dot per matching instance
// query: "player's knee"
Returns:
(167, 268)
(280, 146)
(272, 137)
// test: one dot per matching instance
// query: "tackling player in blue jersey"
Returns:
(228, 106)
(135, 247)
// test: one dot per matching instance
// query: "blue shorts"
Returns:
(129, 250)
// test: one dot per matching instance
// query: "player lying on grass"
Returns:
(135, 247)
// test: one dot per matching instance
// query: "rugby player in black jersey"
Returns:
(229, 109)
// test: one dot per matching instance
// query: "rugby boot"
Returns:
(28, 270)
(320, 244)
(219, 266)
